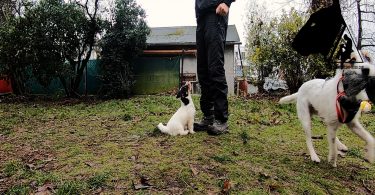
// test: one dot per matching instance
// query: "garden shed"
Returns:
(170, 58)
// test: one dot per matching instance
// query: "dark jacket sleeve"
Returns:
(206, 6)
(228, 2)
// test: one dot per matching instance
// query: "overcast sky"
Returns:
(162, 13)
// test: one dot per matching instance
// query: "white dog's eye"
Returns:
(368, 59)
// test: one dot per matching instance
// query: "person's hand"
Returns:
(222, 9)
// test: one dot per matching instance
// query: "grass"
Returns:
(113, 147)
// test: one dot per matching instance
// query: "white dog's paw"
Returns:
(342, 147)
(184, 132)
(332, 160)
(341, 153)
(191, 131)
(369, 157)
(315, 158)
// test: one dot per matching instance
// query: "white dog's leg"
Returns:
(358, 129)
(191, 126)
(332, 155)
(341, 146)
(305, 118)
(181, 130)
(184, 132)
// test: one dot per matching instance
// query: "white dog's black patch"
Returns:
(183, 93)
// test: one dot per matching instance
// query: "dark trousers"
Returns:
(211, 35)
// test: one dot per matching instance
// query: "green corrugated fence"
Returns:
(156, 74)
(152, 75)
(56, 87)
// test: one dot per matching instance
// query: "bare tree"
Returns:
(87, 44)
(360, 17)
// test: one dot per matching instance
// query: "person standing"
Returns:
(212, 24)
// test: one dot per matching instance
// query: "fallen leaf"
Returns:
(98, 191)
(263, 177)
(274, 187)
(226, 187)
(366, 187)
(211, 193)
(143, 183)
(194, 170)
(30, 166)
(48, 159)
(235, 153)
(46, 189)
(90, 164)
(40, 166)
(140, 186)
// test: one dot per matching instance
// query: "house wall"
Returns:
(190, 66)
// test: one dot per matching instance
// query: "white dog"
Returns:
(182, 122)
(319, 97)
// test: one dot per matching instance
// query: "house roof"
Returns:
(184, 35)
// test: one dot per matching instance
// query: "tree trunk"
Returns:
(17, 82)
(359, 42)
(63, 81)
(81, 67)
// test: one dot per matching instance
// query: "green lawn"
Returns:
(112, 147)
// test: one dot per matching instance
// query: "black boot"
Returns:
(218, 128)
(203, 124)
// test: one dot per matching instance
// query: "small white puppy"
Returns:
(182, 122)
(319, 96)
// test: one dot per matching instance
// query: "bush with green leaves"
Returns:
(269, 45)
(125, 39)
(51, 39)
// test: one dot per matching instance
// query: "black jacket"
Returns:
(206, 6)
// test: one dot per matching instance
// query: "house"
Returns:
(241, 62)
(170, 58)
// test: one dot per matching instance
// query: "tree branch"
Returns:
(370, 21)
(367, 12)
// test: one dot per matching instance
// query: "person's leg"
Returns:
(216, 30)
(206, 100)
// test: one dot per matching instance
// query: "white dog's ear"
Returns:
(189, 85)
(367, 56)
